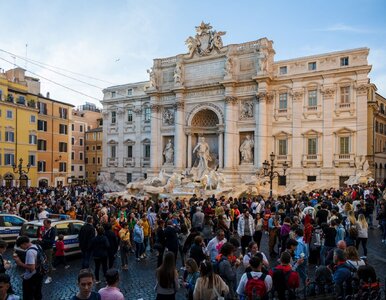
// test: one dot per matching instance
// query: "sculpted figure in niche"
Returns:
(152, 77)
(246, 150)
(217, 40)
(202, 149)
(168, 117)
(262, 62)
(247, 110)
(228, 67)
(169, 152)
(178, 73)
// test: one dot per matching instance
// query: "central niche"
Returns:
(205, 124)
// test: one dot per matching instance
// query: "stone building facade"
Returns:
(311, 112)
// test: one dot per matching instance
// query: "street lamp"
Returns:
(269, 172)
(19, 170)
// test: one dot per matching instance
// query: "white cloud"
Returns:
(340, 27)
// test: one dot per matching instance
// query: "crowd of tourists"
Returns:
(217, 241)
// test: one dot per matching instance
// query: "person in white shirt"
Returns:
(215, 244)
(256, 273)
(43, 214)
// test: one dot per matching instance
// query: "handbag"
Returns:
(219, 297)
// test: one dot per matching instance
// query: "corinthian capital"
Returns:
(264, 96)
(179, 105)
(231, 100)
(362, 89)
(155, 107)
(328, 92)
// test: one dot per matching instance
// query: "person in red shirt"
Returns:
(59, 253)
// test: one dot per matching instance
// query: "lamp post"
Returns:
(269, 172)
(19, 170)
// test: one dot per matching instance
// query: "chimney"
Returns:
(48, 95)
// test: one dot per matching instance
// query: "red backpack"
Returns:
(255, 287)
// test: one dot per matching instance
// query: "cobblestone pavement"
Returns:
(138, 282)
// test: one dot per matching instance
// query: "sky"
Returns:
(79, 47)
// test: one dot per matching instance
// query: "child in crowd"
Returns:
(59, 254)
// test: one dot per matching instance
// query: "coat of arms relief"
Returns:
(205, 41)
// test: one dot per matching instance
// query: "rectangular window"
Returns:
(73, 155)
(312, 146)
(312, 98)
(72, 141)
(32, 160)
(128, 177)
(147, 114)
(41, 166)
(42, 125)
(311, 178)
(129, 92)
(80, 142)
(344, 61)
(99, 160)
(282, 147)
(9, 136)
(62, 129)
(282, 180)
(32, 119)
(312, 66)
(32, 139)
(62, 147)
(98, 147)
(113, 152)
(9, 114)
(283, 70)
(42, 108)
(147, 151)
(113, 117)
(130, 151)
(113, 94)
(81, 168)
(72, 127)
(129, 115)
(344, 143)
(62, 113)
(93, 160)
(62, 167)
(81, 128)
(21, 100)
(345, 94)
(86, 160)
(283, 101)
(72, 168)
(9, 159)
(42, 145)
(80, 155)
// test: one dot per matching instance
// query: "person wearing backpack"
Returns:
(255, 283)
(342, 276)
(32, 279)
(285, 280)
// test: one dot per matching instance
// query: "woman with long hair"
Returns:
(209, 285)
(257, 235)
(351, 221)
(363, 233)
(167, 278)
(353, 258)
(191, 277)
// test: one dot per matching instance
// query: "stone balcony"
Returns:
(344, 107)
(129, 162)
(344, 160)
(281, 113)
(112, 162)
(312, 110)
(312, 160)
(145, 161)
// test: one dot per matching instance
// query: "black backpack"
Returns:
(216, 265)
(280, 284)
(41, 265)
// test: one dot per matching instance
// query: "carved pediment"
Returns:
(344, 130)
(282, 134)
(311, 132)
(146, 141)
(112, 142)
(129, 142)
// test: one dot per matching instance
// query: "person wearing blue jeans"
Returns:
(301, 258)
(138, 240)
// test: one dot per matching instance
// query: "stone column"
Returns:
(189, 150)
(220, 148)
(327, 137)
(261, 125)
(155, 145)
(231, 140)
(179, 134)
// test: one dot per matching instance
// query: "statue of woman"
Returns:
(246, 150)
(169, 152)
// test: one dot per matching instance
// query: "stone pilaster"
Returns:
(262, 127)
(179, 134)
(231, 135)
(155, 145)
